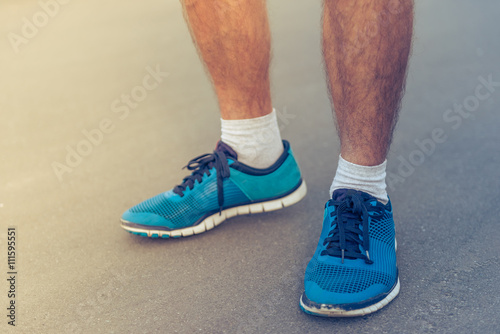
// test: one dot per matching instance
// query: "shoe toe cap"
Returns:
(321, 296)
(145, 218)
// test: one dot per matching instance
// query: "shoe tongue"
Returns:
(226, 149)
(341, 194)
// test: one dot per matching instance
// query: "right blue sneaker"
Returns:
(353, 271)
(219, 187)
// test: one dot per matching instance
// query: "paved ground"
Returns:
(79, 272)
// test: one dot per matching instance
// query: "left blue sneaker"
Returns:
(353, 271)
(218, 188)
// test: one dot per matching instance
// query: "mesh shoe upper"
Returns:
(178, 212)
(358, 275)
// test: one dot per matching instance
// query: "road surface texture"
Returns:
(66, 69)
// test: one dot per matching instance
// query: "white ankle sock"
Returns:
(370, 179)
(256, 140)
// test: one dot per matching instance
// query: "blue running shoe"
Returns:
(353, 271)
(219, 187)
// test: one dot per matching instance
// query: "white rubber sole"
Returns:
(329, 311)
(216, 219)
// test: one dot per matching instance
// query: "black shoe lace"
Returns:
(201, 165)
(349, 226)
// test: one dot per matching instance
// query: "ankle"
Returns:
(369, 179)
(257, 141)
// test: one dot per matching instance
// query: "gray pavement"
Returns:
(63, 75)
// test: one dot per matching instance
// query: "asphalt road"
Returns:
(63, 78)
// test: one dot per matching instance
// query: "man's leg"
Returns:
(251, 170)
(366, 45)
(233, 40)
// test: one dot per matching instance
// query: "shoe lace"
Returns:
(350, 229)
(202, 165)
